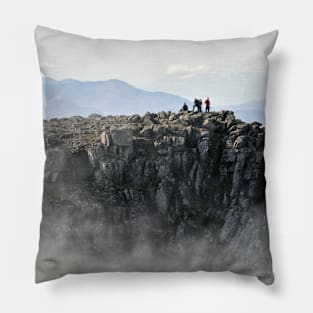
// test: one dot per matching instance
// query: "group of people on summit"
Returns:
(197, 105)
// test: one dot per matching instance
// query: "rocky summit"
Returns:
(159, 192)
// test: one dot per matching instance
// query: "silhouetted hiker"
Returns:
(207, 104)
(185, 107)
(197, 104)
(200, 105)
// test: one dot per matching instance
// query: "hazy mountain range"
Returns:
(248, 112)
(69, 97)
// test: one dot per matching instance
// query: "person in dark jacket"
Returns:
(197, 105)
(200, 105)
(185, 107)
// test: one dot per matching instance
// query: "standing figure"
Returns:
(200, 105)
(207, 104)
(197, 105)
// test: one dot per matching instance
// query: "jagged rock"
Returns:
(197, 118)
(95, 116)
(105, 139)
(181, 186)
(162, 115)
(135, 118)
(122, 136)
(172, 117)
(203, 145)
(240, 142)
(146, 131)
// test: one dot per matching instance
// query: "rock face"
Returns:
(159, 192)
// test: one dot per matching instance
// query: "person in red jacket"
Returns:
(207, 104)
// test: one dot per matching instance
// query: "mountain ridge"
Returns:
(71, 97)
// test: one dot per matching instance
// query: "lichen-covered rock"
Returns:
(159, 192)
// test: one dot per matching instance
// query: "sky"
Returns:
(228, 71)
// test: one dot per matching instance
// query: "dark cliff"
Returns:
(158, 192)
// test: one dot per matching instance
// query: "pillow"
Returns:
(154, 155)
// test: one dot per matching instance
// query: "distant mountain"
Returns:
(70, 97)
(248, 112)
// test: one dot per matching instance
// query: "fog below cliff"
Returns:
(158, 192)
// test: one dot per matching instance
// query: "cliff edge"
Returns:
(160, 192)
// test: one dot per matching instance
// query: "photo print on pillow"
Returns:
(154, 155)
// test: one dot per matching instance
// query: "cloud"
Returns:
(185, 71)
